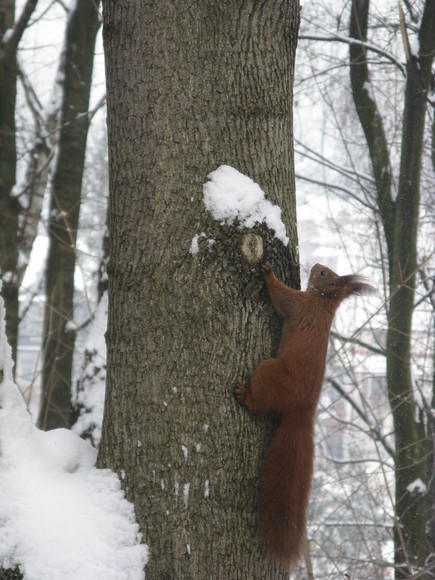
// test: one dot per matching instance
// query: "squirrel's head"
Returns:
(330, 285)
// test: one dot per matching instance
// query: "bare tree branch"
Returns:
(374, 430)
(12, 40)
(370, 118)
(336, 187)
(359, 342)
(360, 43)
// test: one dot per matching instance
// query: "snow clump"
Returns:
(230, 195)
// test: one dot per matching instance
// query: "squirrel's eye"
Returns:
(323, 273)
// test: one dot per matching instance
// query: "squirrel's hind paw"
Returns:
(240, 392)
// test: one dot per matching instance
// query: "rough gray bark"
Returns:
(400, 218)
(192, 85)
(65, 201)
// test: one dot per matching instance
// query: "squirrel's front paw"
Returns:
(267, 268)
(240, 392)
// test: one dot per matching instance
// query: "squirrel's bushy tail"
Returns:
(285, 490)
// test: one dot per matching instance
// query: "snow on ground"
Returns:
(60, 517)
(229, 195)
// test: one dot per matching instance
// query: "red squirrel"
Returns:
(290, 385)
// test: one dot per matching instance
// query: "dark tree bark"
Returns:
(400, 221)
(192, 85)
(11, 32)
(65, 201)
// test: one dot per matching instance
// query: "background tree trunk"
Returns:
(66, 189)
(400, 221)
(10, 36)
(192, 85)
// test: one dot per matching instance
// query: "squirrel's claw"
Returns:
(240, 392)
(267, 268)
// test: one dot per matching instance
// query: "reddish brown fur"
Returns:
(290, 385)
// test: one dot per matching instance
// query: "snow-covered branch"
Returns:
(13, 36)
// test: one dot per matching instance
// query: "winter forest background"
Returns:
(349, 194)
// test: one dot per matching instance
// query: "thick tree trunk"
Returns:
(192, 85)
(65, 201)
(400, 221)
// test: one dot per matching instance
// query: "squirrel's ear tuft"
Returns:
(357, 285)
